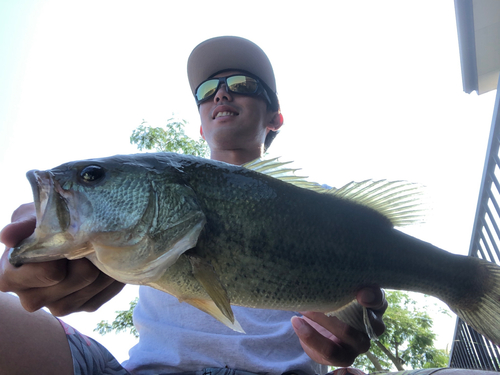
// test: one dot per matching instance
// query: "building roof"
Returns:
(478, 26)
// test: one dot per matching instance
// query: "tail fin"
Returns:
(356, 316)
(485, 317)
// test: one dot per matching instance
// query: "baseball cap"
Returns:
(228, 52)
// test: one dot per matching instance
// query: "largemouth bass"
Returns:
(214, 234)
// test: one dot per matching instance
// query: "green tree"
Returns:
(408, 340)
(122, 322)
(172, 138)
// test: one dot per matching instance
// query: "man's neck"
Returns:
(236, 157)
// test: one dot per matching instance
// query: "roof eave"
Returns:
(467, 46)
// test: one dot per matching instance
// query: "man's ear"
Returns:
(276, 121)
(201, 132)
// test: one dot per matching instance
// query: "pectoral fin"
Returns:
(356, 316)
(210, 308)
(208, 278)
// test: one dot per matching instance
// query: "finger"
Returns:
(320, 348)
(374, 299)
(24, 210)
(335, 329)
(89, 298)
(33, 275)
(104, 296)
(22, 226)
(80, 274)
(376, 322)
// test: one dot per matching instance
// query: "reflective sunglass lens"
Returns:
(239, 84)
(242, 84)
(207, 89)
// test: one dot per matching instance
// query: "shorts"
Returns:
(90, 357)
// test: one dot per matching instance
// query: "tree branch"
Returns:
(373, 359)
(392, 357)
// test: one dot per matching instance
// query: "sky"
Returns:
(367, 89)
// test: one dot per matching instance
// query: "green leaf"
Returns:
(172, 138)
(122, 322)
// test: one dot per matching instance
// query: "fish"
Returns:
(215, 235)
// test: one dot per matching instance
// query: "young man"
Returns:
(235, 89)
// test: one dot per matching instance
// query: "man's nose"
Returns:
(222, 94)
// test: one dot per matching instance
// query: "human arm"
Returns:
(62, 286)
(329, 341)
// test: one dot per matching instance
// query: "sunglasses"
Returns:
(238, 84)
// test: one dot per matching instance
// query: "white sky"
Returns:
(368, 89)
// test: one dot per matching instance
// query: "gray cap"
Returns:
(228, 52)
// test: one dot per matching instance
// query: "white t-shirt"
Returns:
(176, 337)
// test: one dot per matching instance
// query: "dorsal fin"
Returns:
(275, 168)
(399, 201)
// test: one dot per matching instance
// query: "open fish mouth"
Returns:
(48, 199)
(50, 238)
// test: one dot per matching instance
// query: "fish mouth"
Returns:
(48, 198)
(50, 238)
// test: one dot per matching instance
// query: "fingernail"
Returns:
(298, 324)
(368, 296)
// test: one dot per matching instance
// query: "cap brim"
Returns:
(228, 52)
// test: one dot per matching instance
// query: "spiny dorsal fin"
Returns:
(399, 201)
(274, 168)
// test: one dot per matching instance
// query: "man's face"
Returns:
(232, 121)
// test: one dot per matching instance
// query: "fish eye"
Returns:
(91, 173)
